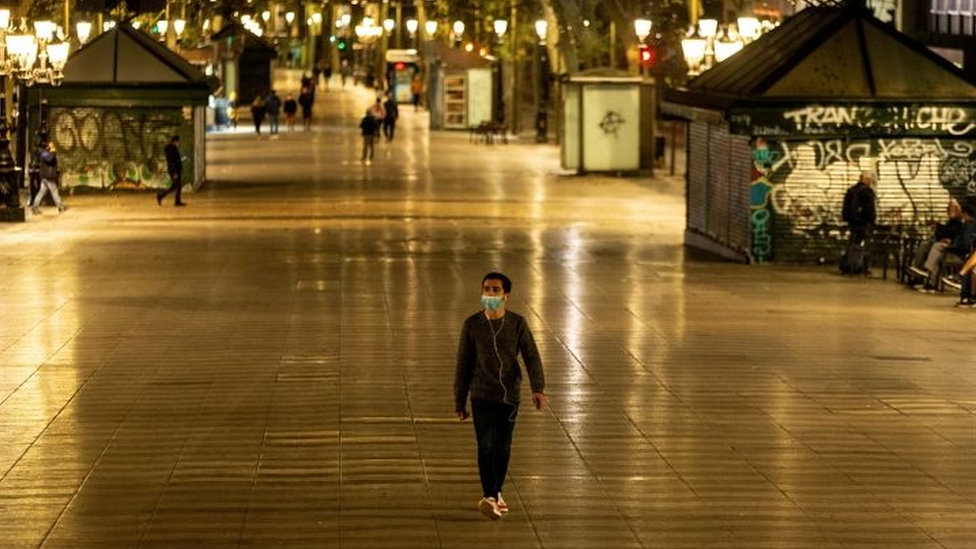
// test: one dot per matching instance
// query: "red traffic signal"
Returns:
(647, 56)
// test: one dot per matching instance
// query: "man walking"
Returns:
(859, 212)
(488, 368)
(174, 165)
(391, 114)
(306, 100)
(273, 105)
(370, 127)
(48, 168)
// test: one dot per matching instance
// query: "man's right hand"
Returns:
(462, 414)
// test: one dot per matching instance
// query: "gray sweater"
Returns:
(478, 365)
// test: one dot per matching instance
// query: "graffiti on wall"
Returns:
(803, 182)
(116, 148)
(858, 120)
(760, 190)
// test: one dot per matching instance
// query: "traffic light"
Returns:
(647, 56)
(342, 44)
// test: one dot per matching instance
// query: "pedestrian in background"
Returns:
(327, 74)
(370, 127)
(391, 114)
(48, 168)
(273, 104)
(291, 109)
(416, 88)
(306, 100)
(488, 369)
(258, 111)
(859, 212)
(345, 71)
(174, 166)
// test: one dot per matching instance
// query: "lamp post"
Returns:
(368, 33)
(19, 53)
(458, 28)
(84, 31)
(642, 27)
(412, 26)
(542, 93)
(500, 27)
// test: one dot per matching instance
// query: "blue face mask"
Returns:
(492, 302)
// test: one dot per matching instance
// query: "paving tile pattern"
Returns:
(272, 367)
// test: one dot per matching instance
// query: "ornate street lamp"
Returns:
(541, 30)
(84, 31)
(412, 26)
(458, 28)
(19, 53)
(178, 27)
(749, 28)
(430, 27)
(501, 27)
(693, 48)
(643, 28)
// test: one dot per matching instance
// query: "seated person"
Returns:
(965, 283)
(930, 255)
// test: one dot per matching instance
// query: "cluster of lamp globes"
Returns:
(712, 44)
(21, 50)
(368, 29)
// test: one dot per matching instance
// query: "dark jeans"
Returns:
(862, 234)
(273, 123)
(966, 292)
(389, 127)
(175, 185)
(494, 423)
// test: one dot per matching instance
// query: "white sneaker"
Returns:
(489, 508)
(921, 273)
(500, 503)
(952, 283)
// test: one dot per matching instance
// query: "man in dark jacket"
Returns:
(392, 113)
(273, 106)
(488, 369)
(370, 127)
(306, 100)
(174, 166)
(860, 213)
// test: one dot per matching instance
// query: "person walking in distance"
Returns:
(290, 108)
(48, 168)
(273, 105)
(306, 100)
(488, 369)
(370, 127)
(258, 111)
(859, 212)
(416, 88)
(391, 114)
(174, 165)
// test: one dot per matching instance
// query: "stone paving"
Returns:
(272, 366)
